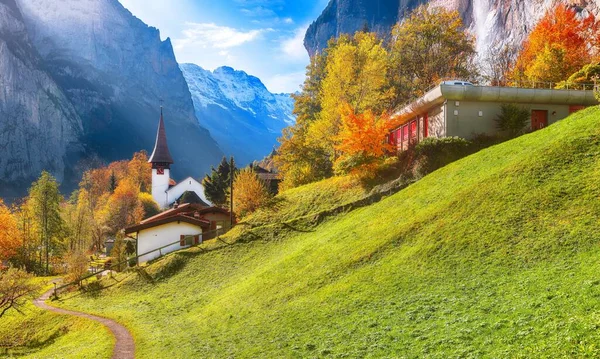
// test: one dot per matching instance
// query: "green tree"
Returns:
(216, 185)
(45, 199)
(512, 119)
(429, 46)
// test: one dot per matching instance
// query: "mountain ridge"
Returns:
(239, 111)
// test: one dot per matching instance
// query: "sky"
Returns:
(261, 37)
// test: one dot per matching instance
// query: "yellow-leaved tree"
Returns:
(249, 193)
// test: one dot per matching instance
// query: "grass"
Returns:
(493, 256)
(41, 334)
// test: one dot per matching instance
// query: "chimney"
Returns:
(175, 205)
(197, 215)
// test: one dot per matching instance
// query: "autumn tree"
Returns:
(139, 171)
(16, 289)
(356, 75)
(10, 241)
(362, 141)
(296, 160)
(45, 199)
(249, 192)
(560, 44)
(429, 46)
(123, 207)
(148, 204)
(217, 183)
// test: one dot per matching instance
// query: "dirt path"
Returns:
(124, 345)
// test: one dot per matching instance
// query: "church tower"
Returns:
(161, 163)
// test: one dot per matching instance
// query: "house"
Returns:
(178, 228)
(164, 190)
(464, 110)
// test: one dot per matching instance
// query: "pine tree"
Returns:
(216, 185)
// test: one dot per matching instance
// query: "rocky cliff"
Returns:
(105, 73)
(238, 110)
(493, 22)
(39, 128)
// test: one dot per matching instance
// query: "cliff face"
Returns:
(113, 71)
(493, 22)
(39, 128)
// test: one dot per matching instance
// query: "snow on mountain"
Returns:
(238, 110)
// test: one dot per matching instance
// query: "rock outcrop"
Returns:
(39, 127)
(493, 22)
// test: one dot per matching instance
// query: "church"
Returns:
(165, 191)
(188, 218)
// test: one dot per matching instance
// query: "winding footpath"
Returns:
(124, 345)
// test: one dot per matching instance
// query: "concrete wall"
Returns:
(466, 119)
(153, 238)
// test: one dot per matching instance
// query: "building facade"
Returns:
(467, 111)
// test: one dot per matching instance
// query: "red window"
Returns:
(182, 240)
(425, 126)
(413, 130)
(197, 239)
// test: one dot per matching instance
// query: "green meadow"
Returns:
(493, 256)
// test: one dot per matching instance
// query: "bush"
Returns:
(433, 153)
(512, 120)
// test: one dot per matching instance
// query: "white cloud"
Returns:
(288, 20)
(293, 47)
(209, 35)
(285, 83)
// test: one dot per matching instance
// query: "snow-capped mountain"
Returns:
(238, 110)
(88, 78)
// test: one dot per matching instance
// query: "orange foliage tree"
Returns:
(10, 241)
(362, 141)
(559, 45)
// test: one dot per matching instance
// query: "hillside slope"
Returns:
(495, 255)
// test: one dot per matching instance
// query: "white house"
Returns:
(177, 228)
(163, 191)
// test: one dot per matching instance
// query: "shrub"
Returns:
(433, 153)
(512, 120)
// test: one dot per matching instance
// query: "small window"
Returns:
(457, 103)
(455, 112)
(480, 113)
(186, 240)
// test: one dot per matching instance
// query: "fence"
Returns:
(216, 232)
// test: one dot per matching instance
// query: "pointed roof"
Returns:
(161, 152)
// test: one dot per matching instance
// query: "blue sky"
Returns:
(262, 37)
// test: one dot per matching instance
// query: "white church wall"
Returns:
(156, 237)
(189, 184)
(160, 185)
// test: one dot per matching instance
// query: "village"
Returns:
(431, 193)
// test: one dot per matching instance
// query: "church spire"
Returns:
(161, 155)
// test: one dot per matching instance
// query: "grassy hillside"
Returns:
(41, 334)
(495, 255)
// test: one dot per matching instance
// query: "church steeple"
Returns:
(161, 157)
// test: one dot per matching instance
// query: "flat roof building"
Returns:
(464, 110)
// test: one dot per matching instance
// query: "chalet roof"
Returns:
(186, 209)
(202, 223)
(161, 152)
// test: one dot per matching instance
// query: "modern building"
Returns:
(463, 110)
(164, 191)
